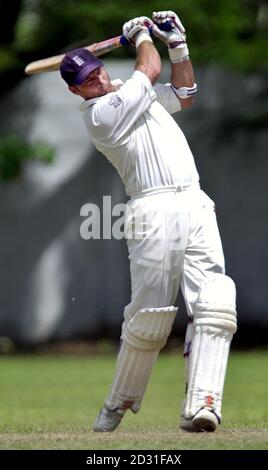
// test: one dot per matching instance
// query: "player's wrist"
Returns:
(178, 54)
(142, 36)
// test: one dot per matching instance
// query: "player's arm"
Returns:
(182, 79)
(182, 74)
(115, 116)
(148, 59)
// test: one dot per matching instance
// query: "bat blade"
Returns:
(53, 63)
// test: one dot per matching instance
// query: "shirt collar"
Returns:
(86, 104)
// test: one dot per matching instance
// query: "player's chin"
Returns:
(103, 91)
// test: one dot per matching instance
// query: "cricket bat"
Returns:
(99, 48)
(53, 63)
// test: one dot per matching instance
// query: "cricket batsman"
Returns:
(178, 244)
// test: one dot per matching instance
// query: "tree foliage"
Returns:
(232, 32)
(15, 151)
(228, 31)
(9, 13)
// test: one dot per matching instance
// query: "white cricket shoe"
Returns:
(107, 420)
(205, 420)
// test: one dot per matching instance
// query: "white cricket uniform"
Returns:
(173, 240)
(133, 128)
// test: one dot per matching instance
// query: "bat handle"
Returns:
(124, 41)
(167, 26)
(164, 27)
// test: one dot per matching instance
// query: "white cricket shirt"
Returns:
(133, 128)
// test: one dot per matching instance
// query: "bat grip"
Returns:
(164, 27)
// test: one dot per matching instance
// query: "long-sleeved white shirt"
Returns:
(133, 128)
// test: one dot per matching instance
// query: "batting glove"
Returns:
(137, 30)
(175, 39)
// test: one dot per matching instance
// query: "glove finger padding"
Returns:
(175, 39)
(136, 25)
(161, 17)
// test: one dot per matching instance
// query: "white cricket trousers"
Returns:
(173, 240)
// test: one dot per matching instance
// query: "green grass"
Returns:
(50, 402)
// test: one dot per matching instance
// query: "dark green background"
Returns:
(233, 32)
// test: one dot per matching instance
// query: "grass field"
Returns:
(50, 402)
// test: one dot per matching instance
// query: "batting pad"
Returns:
(214, 326)
(143, 337)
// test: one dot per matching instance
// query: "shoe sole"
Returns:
(103, 430)
(204, 425)
(106, 428)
